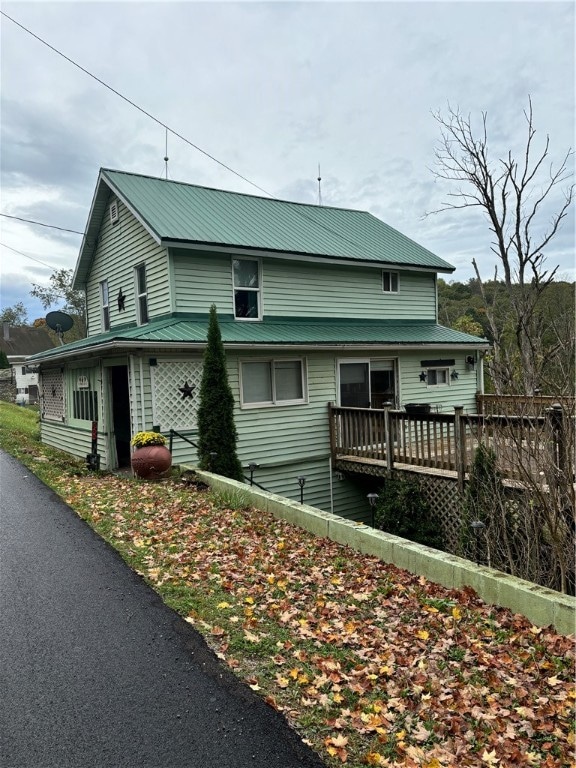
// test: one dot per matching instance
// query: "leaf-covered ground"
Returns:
(372, 665)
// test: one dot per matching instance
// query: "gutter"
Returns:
(140, 346)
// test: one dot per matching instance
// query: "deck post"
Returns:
(389, 441)
(459, 445)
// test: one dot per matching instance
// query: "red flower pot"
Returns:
(151, 461)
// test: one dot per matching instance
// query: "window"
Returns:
(390, 282)
(141, 294)
(24, 370)
(105, 305)
(246, 282)
(437, 377)
(273, 382)
(85, 405)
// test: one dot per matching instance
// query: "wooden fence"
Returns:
(520, 405)
(525, 446)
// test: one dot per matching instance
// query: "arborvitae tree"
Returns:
(217, 433)
(3, 360)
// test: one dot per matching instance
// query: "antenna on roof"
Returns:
(319, 186)
(166, 154)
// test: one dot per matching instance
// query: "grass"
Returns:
(371, 665)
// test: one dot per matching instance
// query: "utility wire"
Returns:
(40, 224)
(27, 257)
(296, 208)
(140, 109)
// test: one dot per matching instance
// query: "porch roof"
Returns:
(191, 331)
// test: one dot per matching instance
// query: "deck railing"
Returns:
(524, 445)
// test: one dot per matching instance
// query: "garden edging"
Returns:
(542, 606)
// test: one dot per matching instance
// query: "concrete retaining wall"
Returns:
(540, 605)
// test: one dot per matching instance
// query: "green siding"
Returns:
(297, 289)
(461, 391)
(76, 441)
(202, 279)
(300, 289)
(121, 247)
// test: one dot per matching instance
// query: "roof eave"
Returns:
(197, 245)
(127, 345)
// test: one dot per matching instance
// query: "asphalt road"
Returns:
(96, 672)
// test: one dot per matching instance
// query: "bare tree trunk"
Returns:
(512, 194)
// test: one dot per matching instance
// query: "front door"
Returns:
(354, 384)
(121, 413)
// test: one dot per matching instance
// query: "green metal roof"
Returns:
(192, 330)
(175, 212)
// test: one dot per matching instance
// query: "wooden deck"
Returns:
(527, 448)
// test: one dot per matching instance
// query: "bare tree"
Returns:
(515, 195)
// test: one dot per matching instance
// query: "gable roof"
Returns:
(24, 340)
(175, 213)
(181, 332)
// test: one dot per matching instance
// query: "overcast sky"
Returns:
(271, 90)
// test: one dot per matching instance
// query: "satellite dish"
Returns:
(59, 322)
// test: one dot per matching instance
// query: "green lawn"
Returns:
(370, 664)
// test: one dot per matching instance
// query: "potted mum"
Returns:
(150, 459)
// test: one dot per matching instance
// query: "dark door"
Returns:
(121, 413)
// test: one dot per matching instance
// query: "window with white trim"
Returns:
(82, 397)
(272, 382)
(246, 285)
(390, 281)
(105, 303)
(141, 294)
(438, 377)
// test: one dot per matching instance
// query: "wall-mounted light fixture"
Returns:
(470, 362)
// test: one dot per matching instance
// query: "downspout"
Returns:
(142, 393)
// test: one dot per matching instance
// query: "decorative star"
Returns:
(187, 390)
(423, 376)
(121, 300)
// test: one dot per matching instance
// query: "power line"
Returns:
(140, 109)
(26, 256)
(298, 211)
(40, 224)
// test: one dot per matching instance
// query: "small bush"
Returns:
(403, 510)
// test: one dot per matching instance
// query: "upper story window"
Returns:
(390, 282)
(273, 382)
(105, 305)
(438, 377)
(141, 295)
(246, 283)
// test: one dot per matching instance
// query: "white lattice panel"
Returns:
(171, 408)
(52, 388)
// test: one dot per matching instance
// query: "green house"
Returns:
(317, 305)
